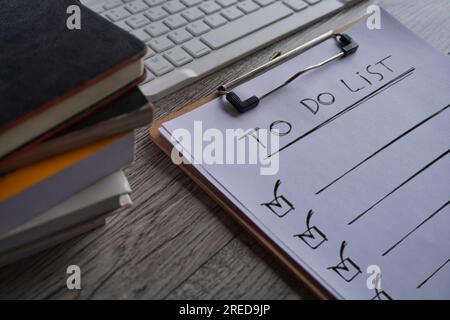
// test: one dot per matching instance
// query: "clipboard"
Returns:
(348, 46)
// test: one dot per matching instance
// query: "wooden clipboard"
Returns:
(226, 204)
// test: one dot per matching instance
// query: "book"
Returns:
(105, 195)
(349, 182)
(126, 113)
(29, 191)
(50, 74)
(50, 241)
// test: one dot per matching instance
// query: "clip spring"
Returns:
(347, 45)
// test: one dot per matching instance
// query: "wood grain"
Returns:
(175, 242)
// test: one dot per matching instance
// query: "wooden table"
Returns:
(176, 243)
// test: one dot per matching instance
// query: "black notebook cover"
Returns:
(123, 105)
(42, 61)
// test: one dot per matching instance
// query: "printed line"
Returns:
(383, 148)
(386, 86)
(399, 186)
(433, 274)
(416, 228)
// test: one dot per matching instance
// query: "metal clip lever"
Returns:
(345, 42)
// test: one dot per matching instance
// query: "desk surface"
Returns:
(177, 243)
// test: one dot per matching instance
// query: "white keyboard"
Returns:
(189, 39)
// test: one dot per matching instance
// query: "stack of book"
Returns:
(69, 104)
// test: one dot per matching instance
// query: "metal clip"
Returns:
(344, 41)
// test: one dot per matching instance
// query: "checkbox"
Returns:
(313, 237)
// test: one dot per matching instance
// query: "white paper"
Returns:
(387, 155)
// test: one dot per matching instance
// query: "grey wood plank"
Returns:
(176, 242)
(242, 270)
(428, 19)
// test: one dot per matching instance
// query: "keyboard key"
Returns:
(232, 13)
(97, 8)
(105, 16)
(173, 6)
(248, 6)
(179, 36)
(198, 28)
(157, 29)
(110, 4)
(136, 6)
(192, 14)
(123, 25)
(177, 57)
(226, 3)
(190, 3)
(152, 3)
(117, 14)
(233, 31)
(296, 5)
(156, 14)
(209, 7)
(141, 35)
(160, 44)
(196, 48)
(158, 65)
(137, 21)
(150, 52)
(264, 3)
(215, 20)
(148, 76)
(175, 21)
(312, 2)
